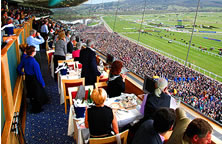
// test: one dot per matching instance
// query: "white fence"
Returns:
(181, 61)
(196, 48)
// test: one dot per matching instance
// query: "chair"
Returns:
(101, 79)
(101, 85)
(62, 61)
(76, 130)
(70, 83)
(111, 139)
(49, 57)
(73, 92)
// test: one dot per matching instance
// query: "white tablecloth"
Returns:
(68, 56)
(123, 118)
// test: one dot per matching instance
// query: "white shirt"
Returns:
(44, 29)
(31, 41)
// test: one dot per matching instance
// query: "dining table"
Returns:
(68, 56)
(125, 114)
(73, 74)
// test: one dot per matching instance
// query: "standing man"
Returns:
(88, 60)
(71, 44)
(33, 41)
(44, 33)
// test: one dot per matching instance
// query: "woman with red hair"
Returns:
(116, 83)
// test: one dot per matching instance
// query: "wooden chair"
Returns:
(101, 85)
(49, 57)
(111, 139)
(101, 79)
(76, 130)
(70, 83)
(73, 92)
(62, 61)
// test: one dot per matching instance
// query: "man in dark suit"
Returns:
(153, 131)
(88, 60)
(71, 45)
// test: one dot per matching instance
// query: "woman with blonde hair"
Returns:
(99, 118)
(60, 50)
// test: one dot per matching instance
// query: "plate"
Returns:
(115, 105)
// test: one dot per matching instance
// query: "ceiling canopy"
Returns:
(50, 3)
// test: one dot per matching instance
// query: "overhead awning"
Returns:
(50, 3)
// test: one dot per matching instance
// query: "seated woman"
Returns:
(160, 98)
(100, 119)
(116, 83)
(33, 79)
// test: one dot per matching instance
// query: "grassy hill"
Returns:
(136, 6)
(152, 6)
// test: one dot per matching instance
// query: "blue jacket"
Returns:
(31, 67)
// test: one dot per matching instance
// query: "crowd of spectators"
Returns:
(195, 89)
(13, 16)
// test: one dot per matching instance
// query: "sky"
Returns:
(98, 1)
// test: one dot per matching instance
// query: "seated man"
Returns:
(153, 131)
(198, 131)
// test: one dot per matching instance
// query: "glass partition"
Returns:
(12, 63)
(179, 41)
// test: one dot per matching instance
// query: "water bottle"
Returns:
(101, 66)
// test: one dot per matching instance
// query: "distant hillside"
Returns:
(137, 6)
(185, 3)
(129, 6)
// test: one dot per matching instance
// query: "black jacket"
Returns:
(70, 47)
(115, 86)
(146, 134)
(89, 67)
(153, 103)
